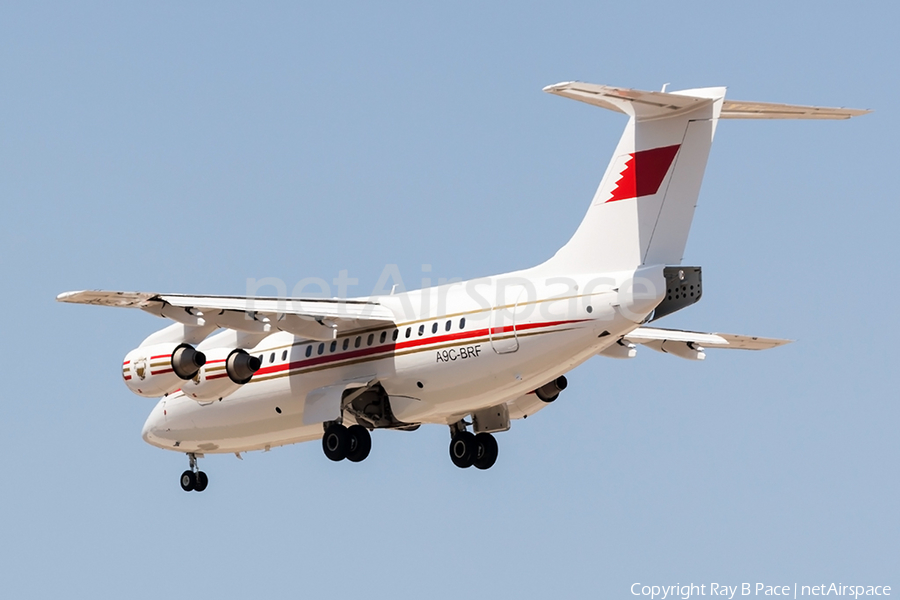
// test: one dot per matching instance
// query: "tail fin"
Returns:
(643, 208)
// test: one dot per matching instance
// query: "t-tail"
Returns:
(643, 208)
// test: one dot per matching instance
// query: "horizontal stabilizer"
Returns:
(736, 109)
(645, 105)
(639, 103)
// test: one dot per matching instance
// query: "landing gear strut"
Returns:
(353, 443)
(468, 449)
(194, 480)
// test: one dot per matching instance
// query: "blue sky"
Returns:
(189, 148)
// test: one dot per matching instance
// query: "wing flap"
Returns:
(105, 298)
(317, 307)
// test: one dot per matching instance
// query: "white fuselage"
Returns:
(455, 349)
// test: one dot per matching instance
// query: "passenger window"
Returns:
(321, 348)
(308, 351)
(358, 340)
(272, 357)
(394, 335)
(261, 359)
(408, 331)
(284, 355)
(371, 339)
(383, 337)
(434, 328)
(333, 346)
(421, 330)
(447, 325)
(346, 343)
(462, 323)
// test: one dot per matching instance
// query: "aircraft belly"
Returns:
(454, 388)
(246, 420)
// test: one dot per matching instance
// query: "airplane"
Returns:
(238, 374)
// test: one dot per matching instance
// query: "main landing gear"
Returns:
(353, 443)
(194, 480)
(468, 449)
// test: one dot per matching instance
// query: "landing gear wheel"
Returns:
(202, 481)
(485, 451)
(188, 481)
(335, 442)
(462, 449)
(359, 443)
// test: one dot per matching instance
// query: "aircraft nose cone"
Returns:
(155, 422)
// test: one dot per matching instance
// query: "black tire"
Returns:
(188, 481)
(335, 442)
(359, 443)
(202, 481)
(486, 451)
(462, 449)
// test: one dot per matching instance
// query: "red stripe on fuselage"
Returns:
(460, 336)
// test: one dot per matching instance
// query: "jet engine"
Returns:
(224, 373)
(156, 370)
(550, 391)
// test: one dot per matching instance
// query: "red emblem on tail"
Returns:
(644, 173)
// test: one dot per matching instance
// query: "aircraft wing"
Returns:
(312, 318)
(686, 344)
(643, 335)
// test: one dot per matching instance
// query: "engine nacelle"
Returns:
(550, 391)
(224, 373)
(153, 371)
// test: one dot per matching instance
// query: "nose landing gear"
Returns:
(468, 449)
(194, 480)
